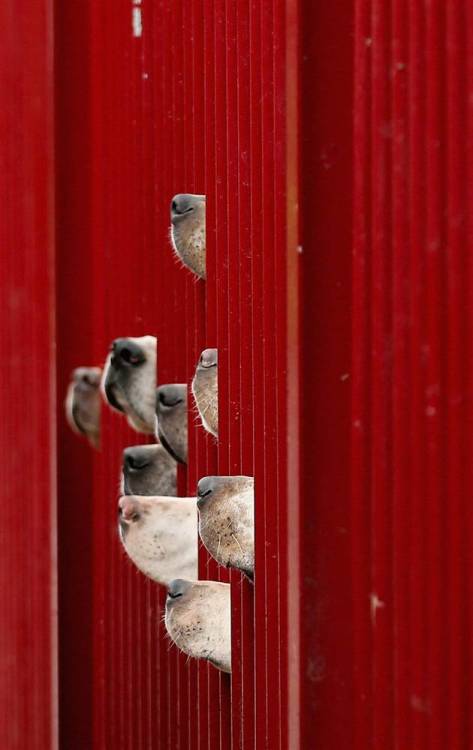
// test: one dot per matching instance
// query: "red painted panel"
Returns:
(28, 649)
(386, 242)
(330, 648)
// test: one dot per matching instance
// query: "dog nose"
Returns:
(87, 376)
(205, 488)
(178, 588)
(129, 509)
(183, 203)
(208, 358)
(135, 458)
(90, 378)
(170, 395)
(87, 379)
(126, 352)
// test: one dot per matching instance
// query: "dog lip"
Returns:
(123, 526)
(109, 392)
(208, 359)
(176, 218)
(75, 417)
(168, 447)
(182, 213)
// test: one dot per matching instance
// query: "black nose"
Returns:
(208, 358)
(87, 376)
(184, 203)
(178, 588)
(171, 395)
(205, 488)
(126, 352)
(135, 458)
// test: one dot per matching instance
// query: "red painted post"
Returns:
(385, 156)
(28, 628)
(332, 651)
(75, 338)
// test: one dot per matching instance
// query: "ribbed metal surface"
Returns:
(191, 98)
(28, 695)
(411, 233)
(386, 265)
(392, 626)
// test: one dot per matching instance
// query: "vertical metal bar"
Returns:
(242, 362)
(381, 607)
(258, 431)
(399, 65)
(435, 393)
(231, 334)
(467, 19)
(417, 442)
(267, 568)
(74, 347)
(293, 15)
(280, 286)
(456, 334)
(360, 379)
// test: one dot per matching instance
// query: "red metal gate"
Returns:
(148, 118)
(344, 363)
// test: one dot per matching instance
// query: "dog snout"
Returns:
(126, 353)
(169, 395)
(129, 509)
(135, 459)
(208, 358)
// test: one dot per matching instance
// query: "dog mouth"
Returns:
(168, 405)
(177, 219)
(206, 367)
(85, 386)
